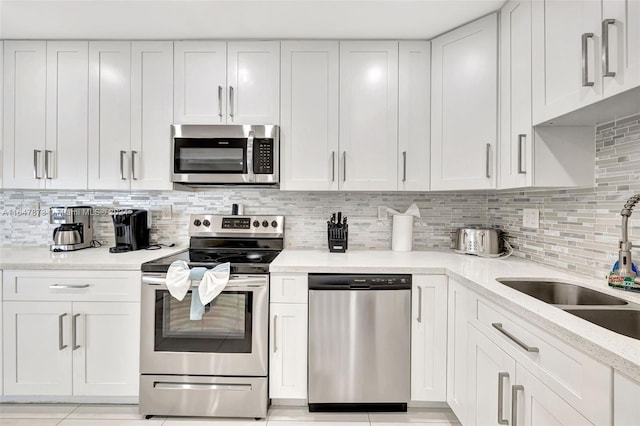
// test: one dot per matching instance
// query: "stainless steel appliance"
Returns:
(205, 155)
(216, 366)
(76, 228)
(131, 229)
(481, 241)
(359, 342)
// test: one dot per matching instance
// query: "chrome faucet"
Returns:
(625, 268)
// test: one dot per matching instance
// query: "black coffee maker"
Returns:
(131, 229)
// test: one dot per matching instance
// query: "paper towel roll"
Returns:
(402, 234)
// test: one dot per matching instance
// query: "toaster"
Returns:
(481, 241)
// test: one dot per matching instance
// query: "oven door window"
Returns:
(225, 327)
(210, 155)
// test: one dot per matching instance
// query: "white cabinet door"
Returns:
(1, 116)
(105, 348)
(457, 317)
(37, 348)
(25, 80)
(621, 26)
(368, 115)
(151, 114)
(65, 159)
(626, 400)
(567, 71)
(309, 115)
(109, 114)
(414, 116)
(429, 338)
(253, 82)
(464, 107)
(538, 405)
(491, 374)
(515, 95)
(200, 82)
(288, 351)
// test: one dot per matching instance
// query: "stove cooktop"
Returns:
(243, 262)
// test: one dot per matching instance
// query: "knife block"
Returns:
(338, 238)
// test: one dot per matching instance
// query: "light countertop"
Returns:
(479, 274)
(31, 257)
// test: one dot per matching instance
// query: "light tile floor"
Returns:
(127, 415)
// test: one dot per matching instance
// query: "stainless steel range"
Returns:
(216, 366)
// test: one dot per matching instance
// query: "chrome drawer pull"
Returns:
(200, 386)
(498, 326)
(68, 286)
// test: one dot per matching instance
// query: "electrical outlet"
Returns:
(382, 213)
(531, 218)
(166, 212)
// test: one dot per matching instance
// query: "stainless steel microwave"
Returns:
(205, 155)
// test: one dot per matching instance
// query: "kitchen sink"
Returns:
(560, 293)
(621, 321)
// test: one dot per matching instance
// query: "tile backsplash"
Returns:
(579, 228)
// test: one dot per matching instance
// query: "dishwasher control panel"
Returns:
(359, 281)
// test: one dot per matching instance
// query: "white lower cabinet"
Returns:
(288, 336)
(67, 333)
(457, 317)
(428, 338)
(626, 400)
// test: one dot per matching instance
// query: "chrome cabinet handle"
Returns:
(605, 47)
(488, 159)
(231, 102)
(61, 344)
(74, 334)
(585, 61)
(133, 165)
(498, 326)
(201, 386)
(404, 166)
(36, 158)
(344, 166)
(68, 286)
(514, 403)
(220, 101)
(501, 377)
(419, 304)
(333, 166)
(521, 141)
(275, 341)
(46, 164)
(122, 154)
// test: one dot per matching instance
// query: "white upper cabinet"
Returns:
(567, 71)
(65, 157)
(227, 83)
(515, 95)
(151, 114)
(309, 115)
(25, 91)
(621, 43)
(464, 107)
(368, 115)
(414, 116)
(109, 114)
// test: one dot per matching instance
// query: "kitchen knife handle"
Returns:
(585, 61)
(61, 344)
(605, 47)
(74, 332)
(220, 102)
(133, 165)
(404, 166)
(521, 141)
(122, 154)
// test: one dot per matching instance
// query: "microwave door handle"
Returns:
(250, 155)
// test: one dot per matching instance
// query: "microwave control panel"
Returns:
(263, 156)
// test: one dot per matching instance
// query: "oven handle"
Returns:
(200, 386)
(235, 282)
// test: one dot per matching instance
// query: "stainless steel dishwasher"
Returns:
(359, 342)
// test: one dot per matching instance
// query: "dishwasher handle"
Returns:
(357, 282)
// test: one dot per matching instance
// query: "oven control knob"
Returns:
(206, 223)
(265, 223)
(197, 222)
(274, 224)
(256, 223)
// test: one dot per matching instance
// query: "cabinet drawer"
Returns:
(289, 288)
(115, 286)
(582, 381)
